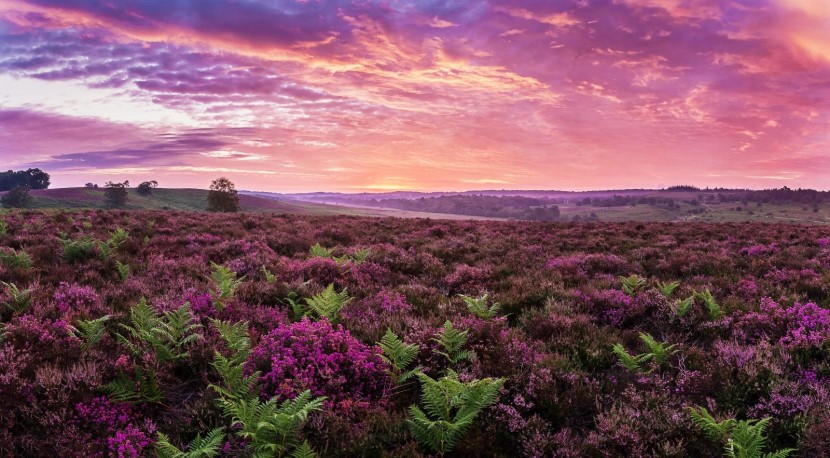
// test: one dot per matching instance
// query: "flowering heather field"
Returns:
(130, 334)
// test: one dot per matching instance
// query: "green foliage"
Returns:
(742, 439)
(117, 238)
(478, 306)
(222, 196)
(303, 451)
(4, 229)
(19, 299)
(270, 428)
(167, 336)
(235, 385)
(658, 353)
(270, 278)
(399, 356)
(326, 304)
(200, 447)
(226, 283)
(79, 250)
(711, 304)
(682, 307)
(667, 289)
(142, 387)
(632, 284)
(123, 270)
(318, 251)
(449, 409)
(452, 341)
(91, 331)
(16, 259)
(18, 197)
(115, 194)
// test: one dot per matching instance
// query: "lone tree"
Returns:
(17, 198)
(222, 196)
(146, 188)
(115, 194)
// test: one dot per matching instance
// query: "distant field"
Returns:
(196, 200)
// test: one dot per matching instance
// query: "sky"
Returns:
(362, 95)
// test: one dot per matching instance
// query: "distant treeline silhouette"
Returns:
(31, 178)
(524, 208)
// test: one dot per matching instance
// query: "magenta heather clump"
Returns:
(319, 357)
(73, 300)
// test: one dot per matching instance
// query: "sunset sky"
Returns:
(427, 95)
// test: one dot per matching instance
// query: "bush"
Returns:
(18, 197)
(146, 188)
(319, 357)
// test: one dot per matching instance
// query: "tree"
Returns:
(115, 194)
(222, 196)
(91, 185)
(17, 198)
(146, 188)
(31, 178)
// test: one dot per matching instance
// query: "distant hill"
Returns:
(161, 199)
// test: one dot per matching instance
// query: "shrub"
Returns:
(319, 357)
(115, 194)
(18, 197)
(223, 196)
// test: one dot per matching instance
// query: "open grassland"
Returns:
(133, 333)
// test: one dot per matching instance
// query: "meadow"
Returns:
(182, 334)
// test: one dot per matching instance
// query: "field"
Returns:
(131, 333)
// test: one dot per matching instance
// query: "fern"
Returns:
(123, 270)
(143, 387)
(318, 251)
(271, 429)
(270, 278)
(742, 439)
(667, 289)
(399, 356)
(658, 352)
(449, 409)
(91, 331)
(79, 250)
(236, 385)
(226, 284)
(635, 363)
(201, 447)
(167, 335)
(117, 238)
(711, 304)
(360, 255)
(15, 259)
(326, 304)
(479, 307)
(452, 341)
(632, 284)
(4, 229)
(303, 451)
(681, 308)
(19, 299)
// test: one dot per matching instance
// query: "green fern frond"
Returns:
(450, 407)
(318, 251)
(91, 331)
(451, 341)
(681, 308)
(304, 451)
(200, 447)
(226, 283)
(270, 278)
(667, 289)
(712, 306)
(398, 355)
(19, 299)
(327, 304)
(632, 284)
(478, 306)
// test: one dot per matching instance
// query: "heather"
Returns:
(130, 334)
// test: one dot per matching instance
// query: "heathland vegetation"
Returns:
(179, 334)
